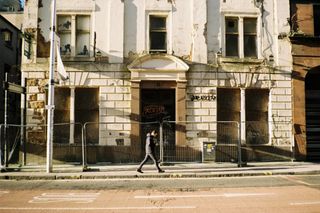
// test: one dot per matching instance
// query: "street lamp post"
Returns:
(50, 106)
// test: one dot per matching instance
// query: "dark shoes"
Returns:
(140, 171)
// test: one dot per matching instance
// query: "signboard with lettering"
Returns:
(202, 97)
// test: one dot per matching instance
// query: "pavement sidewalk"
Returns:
(176, 170)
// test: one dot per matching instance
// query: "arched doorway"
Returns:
(312, 91)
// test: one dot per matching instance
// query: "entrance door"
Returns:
(158, 105)
(313, 115)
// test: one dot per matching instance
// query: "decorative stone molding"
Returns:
(160, 67)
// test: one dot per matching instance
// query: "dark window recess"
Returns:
(228, 109)
(158, 34)
(61, 115)
(316, 19)
(232, 37)
(7, 36)
(87, 110)
(257, 130)
(250, 37)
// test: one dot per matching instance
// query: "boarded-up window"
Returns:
(158, 34)
(87, 110)
(302, 17)
(228, 109)
(86, 102)
(250, 37)
(61, 115)
(257, 131)
(232, 36)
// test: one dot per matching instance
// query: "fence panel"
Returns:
(195, 141)
(268, 141)
(117, 142)
(10, 144)
(178, 141)
(26, 145)
(228, 142)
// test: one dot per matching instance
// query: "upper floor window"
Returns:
(158, 34)
(241, 37)
(305, 19)
(232, 37)
(7, 37)
(316, 19)
(250, 37)
(74, 32)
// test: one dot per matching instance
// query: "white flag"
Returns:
(60, 68)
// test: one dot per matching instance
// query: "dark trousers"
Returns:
(146, 158)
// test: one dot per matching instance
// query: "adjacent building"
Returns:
(10, 5)
(10, 60)
(305, 38)
(219, 71)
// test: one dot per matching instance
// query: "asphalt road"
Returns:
(240, 194)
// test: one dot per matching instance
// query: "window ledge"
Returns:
(231, 60)
(79, 58)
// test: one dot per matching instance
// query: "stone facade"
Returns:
(194, 62)
(306, 66)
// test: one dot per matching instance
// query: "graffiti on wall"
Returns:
(202, 97)
(153, 110)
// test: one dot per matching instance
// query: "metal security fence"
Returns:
(200, 141)
(25, 145)
(116, 142)
(124, 142)
(268, 141)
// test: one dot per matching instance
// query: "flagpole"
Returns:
(50, 106)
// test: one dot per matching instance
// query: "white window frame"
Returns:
(240, 17)
(168, 16)
(73, 44)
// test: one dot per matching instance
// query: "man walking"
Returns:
(150, 147)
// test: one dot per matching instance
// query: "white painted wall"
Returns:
(195, 27)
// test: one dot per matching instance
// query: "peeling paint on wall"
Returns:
(43, 49)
